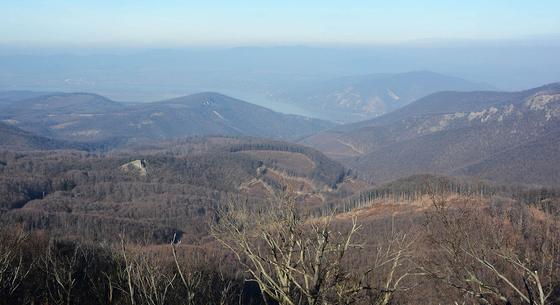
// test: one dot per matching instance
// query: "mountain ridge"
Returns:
(92, 117)
(446, 141)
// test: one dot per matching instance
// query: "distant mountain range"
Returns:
(502, 136)
(509, 137)
(149, 75)
(357, 98)
(91, 117)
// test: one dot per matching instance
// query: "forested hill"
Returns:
(456, 133)
(90, 117)
(151, 193)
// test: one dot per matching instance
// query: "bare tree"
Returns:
(151, 281)
(203, 280)
(147, 282)
(105, 287)
(294, 259)
(61, 264)
(495, 258)
(391, 267)
(191, 280)
(14, 268)
(126, 274)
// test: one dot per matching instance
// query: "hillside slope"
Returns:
(536, 162)
(179, 186)
(90, 117)
(426, 137)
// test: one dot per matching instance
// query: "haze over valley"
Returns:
(357, 83)
(279, 153)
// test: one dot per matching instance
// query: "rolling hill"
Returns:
(476, 134)
(90, 117)
(177, 188)
(535, 162)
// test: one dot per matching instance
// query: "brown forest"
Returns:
(245, 221)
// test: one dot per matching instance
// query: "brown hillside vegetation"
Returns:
(91, 196)
(477, 134)
(421, 240)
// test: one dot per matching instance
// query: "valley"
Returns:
(452, 133)
(357, 98)
(197, 184)
(279, 152)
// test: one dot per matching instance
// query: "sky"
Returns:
(142, 23)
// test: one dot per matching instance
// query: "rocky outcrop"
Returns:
(136, 166)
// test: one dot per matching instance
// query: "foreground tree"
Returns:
(65, 265)
(294, 259)
(203, 281)
(14, 266)
(506, 254)
(147, 280)
(391, 268)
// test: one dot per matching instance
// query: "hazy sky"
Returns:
(130, 23)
